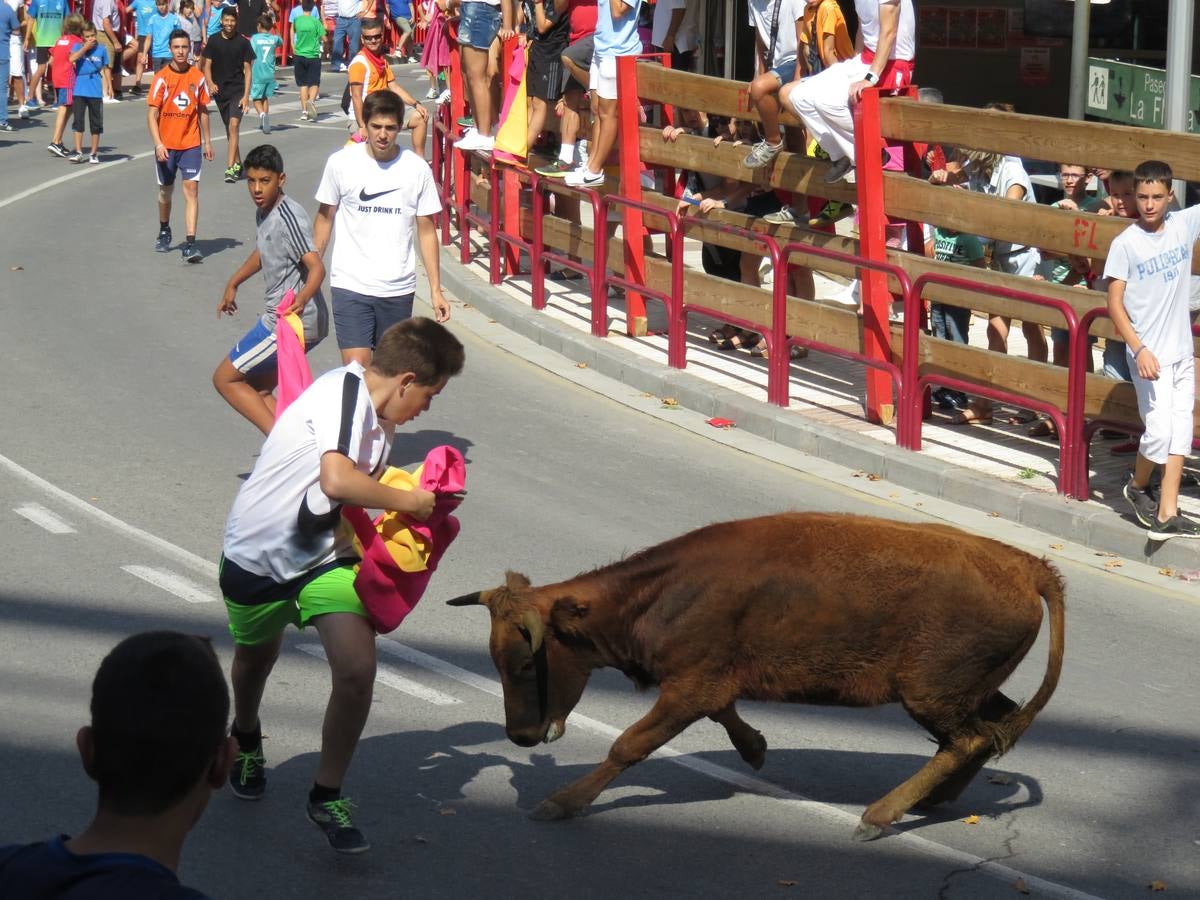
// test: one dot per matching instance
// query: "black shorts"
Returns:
(43, 55)
(307, 71)
(759, 205)
(545, 79)
(229, 105)
(94, 108)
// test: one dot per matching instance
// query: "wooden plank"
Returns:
(789, 171)
(1037, 137)
(716, 96)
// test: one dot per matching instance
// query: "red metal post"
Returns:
(872, 238)
(630, 160)
(459, 170)
(511, 181)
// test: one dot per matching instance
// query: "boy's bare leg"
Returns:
(349, 642)
(537, 120)
(251, 668)
(191, 206)
(243, 396)
(232, 131)
(764, 92)
(580, 75)
(604, 132)
(165, 192)
(1035, 341)
(1168, 489)
(475, 64)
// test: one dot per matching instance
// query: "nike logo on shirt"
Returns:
(364, 196)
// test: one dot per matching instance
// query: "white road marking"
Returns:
(385, 674)
(184, 557)
(753, 785)
(172, 583)
(44, 518)
(490, 686)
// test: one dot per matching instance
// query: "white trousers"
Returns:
(1166, 408)
(823, 103)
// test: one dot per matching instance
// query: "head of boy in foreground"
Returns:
(1154, 192)
(412, 363)
(158, 742)
(264, 175)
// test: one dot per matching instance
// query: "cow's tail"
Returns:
(1050, 586)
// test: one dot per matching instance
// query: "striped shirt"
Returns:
(284, 237)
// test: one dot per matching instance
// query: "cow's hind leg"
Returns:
(669, 716)
(747, 740)
(994, 709)
(948, 760)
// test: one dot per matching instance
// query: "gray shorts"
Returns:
(580, 53)
(360, 320)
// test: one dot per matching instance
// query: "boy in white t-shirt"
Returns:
(375, 193)
(1149, 267)
(289, 557)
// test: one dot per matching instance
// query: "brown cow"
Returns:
(801, 607)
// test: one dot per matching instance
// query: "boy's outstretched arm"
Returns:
(228, 304)
(341, 482)
(427, 237)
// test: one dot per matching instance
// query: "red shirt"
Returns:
(63, 69)
(582, 15)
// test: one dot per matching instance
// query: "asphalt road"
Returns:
(117, 466)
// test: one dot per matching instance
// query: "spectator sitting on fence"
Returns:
(484, 24)
(157, 748)
(573, 106)
(1149, 266)
(774, 23)
(952, 323)
(888, 39)
(616, 35)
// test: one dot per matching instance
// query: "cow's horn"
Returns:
(466, 600)
(531, 621)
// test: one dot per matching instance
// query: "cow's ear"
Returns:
(515, 581)
(566, 614)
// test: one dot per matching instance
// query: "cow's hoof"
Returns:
(548, 811)
(867, 832)
(754, 751)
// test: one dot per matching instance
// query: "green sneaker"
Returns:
(248, 778)
(333, 818)
(231, 175)
(556, 169)
(466, 121)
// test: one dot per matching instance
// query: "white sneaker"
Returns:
(94, 160)
(473, 140)
(111, 100)
(432, 93)
(443, 97)
(262, 124)
(22, 111)
(312, 110)
(582, 177)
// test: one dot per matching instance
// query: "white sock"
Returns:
(566, 153)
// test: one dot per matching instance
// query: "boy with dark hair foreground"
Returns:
(289, 557)
(1149, 268)
(156, 749)
(285, 254)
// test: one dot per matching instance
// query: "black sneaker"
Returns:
(248, 778)
(191, 253)
(1144, 506)
(839, 170)
(58, 150)
(163, 242)
(1175, 527)
(333, 818)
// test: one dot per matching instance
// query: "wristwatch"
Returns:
(871, 77)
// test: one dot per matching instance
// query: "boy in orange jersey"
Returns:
(177, 113)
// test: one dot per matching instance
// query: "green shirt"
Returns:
(955, 247)
(263, 68)
(309, 32)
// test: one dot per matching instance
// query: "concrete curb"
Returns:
(1096, 527)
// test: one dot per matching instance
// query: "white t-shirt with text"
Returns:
(762, 14)
(906, 30)
(282, 525)
(1156, 270)
(374, 228)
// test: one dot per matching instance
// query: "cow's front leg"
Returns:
(747, 740)
(667, 718)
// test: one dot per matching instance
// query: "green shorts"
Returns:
(262, 623)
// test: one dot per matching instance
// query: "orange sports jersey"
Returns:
(372, 78)
(179, 97)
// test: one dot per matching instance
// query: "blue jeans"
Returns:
(4, 83)
(349, 27)
(1116, 363)
(949, 322)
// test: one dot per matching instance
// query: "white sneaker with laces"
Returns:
(583, 177)
(473, 141)
(432, 93)
(22, 111)
(443, 97)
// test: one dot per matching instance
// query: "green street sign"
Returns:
(1134, 95)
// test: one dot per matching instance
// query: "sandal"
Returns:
(760, 351)
(969, 416)
(1043, 428)
(1022, 417)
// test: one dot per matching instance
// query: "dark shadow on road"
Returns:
(215, 246)
(410, 448)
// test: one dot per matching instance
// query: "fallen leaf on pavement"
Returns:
(581, 365)
(994, 515)
(1169, 572)
(786, 882)
(1021, 886)
(871, 476)
(1056, 546)
(999, 779)
(420, 839)
(466, 306)
(1157, 885)
(1113, 564)
(447, 811)
(971, 820)
(669, 401)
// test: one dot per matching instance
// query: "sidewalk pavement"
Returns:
(997, 469)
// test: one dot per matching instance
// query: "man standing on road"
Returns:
(228, 57)
(177, 112)
(374, 192)
(107, 19)
(10, 24)
(48, 16)
(348, 28)
(887, 43)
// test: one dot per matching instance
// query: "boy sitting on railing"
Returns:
(1149, 267)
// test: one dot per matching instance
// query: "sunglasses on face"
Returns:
(372, 37)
